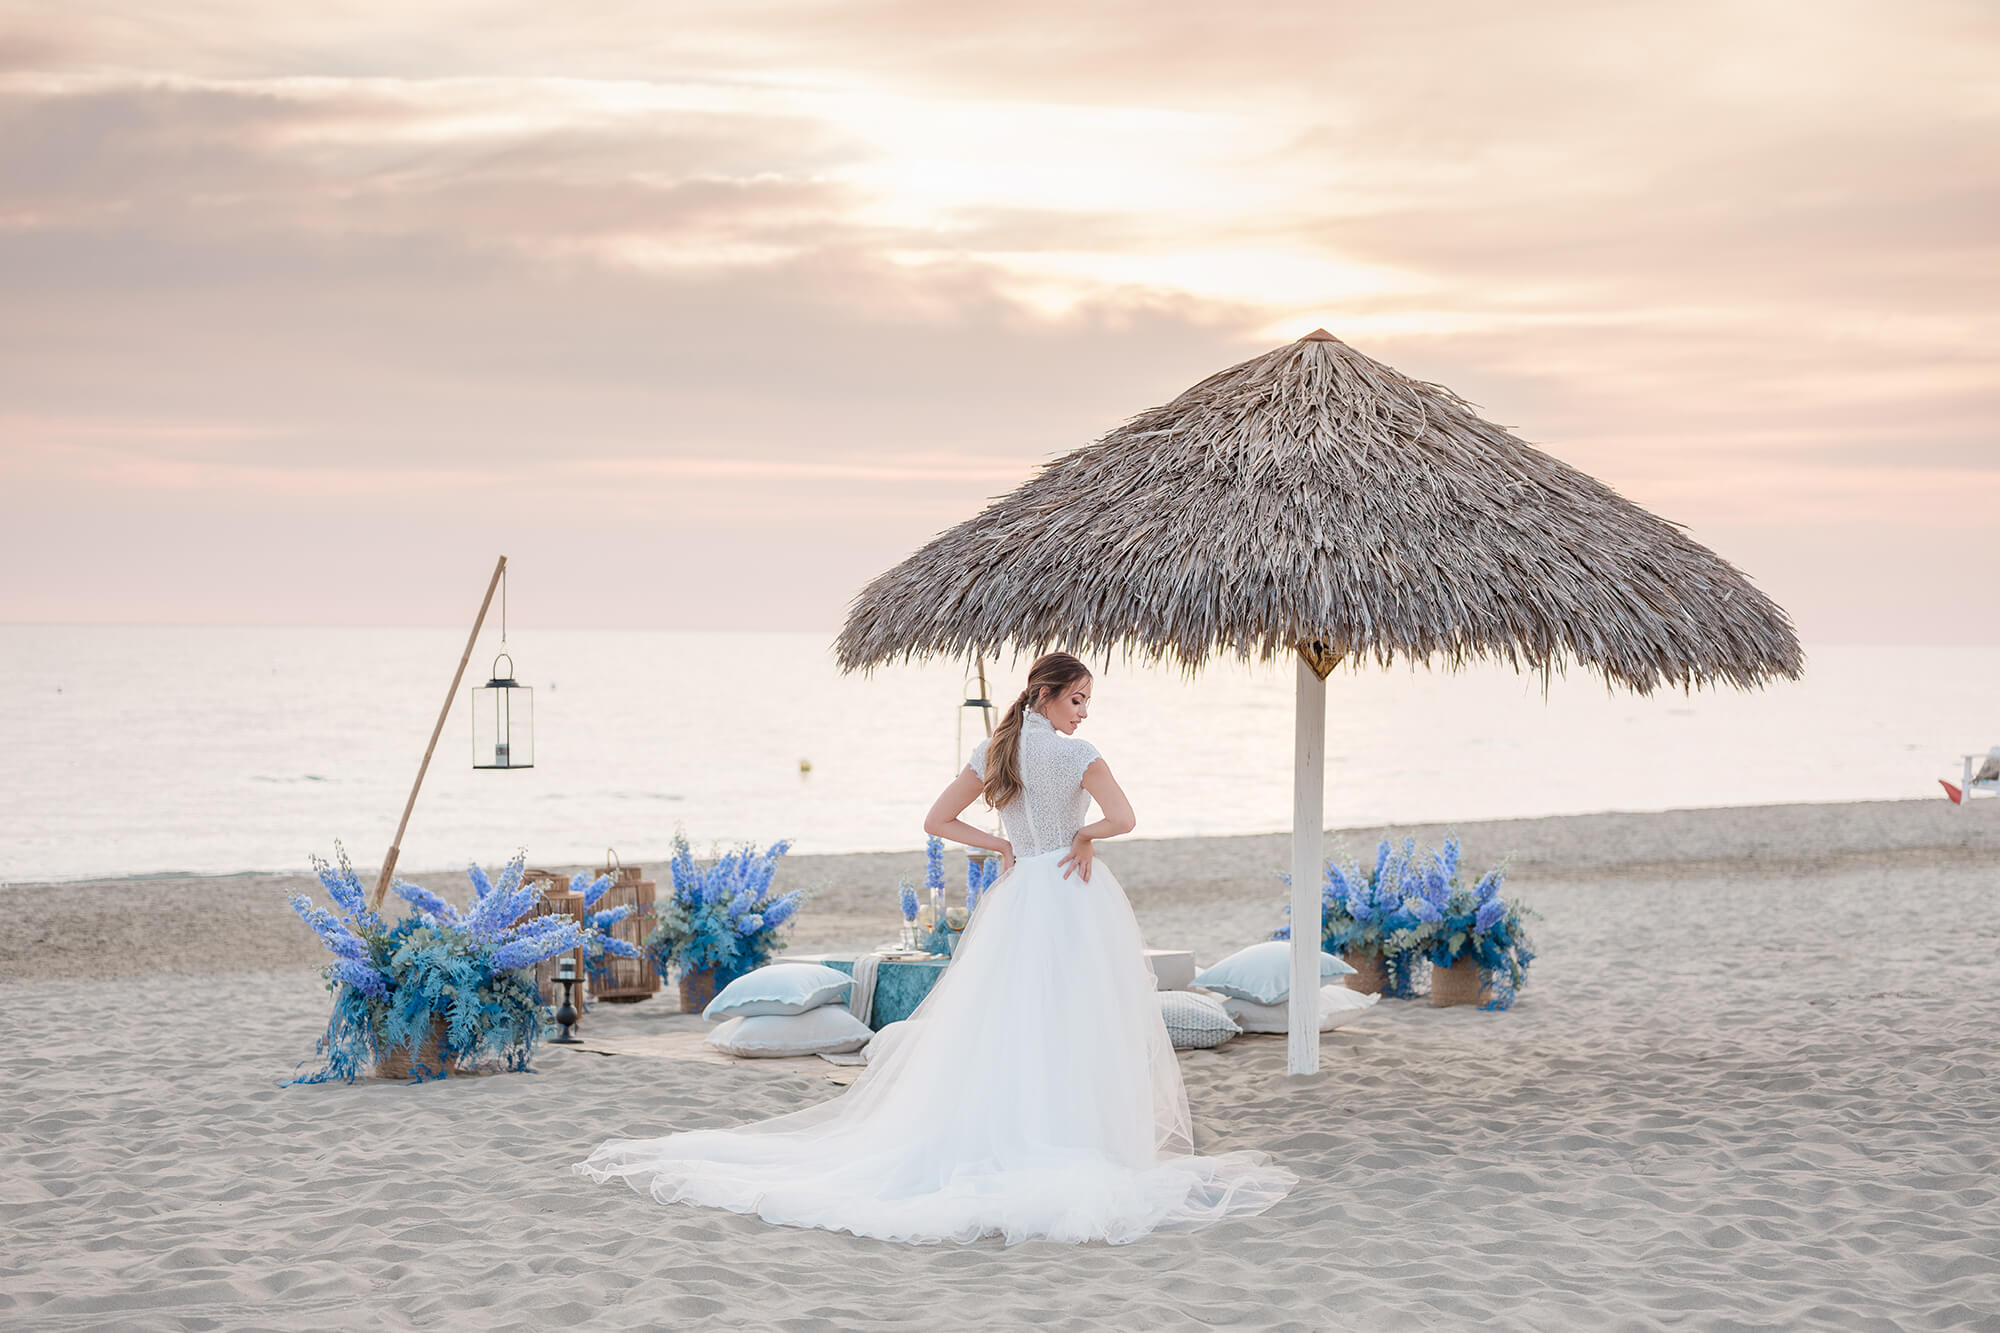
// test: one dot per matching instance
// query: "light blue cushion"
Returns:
(779, 989)
(1262, 973)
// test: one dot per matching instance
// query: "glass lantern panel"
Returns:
(503, 726)
(975, 724)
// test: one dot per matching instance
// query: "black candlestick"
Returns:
(566, 1015)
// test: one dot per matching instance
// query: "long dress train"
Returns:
(1035, 1095)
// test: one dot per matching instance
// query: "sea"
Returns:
(165, 750)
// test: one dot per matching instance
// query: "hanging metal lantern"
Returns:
(503, 720)
(976, 719)
(975, 715)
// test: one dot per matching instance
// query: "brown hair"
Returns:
(1051, 675)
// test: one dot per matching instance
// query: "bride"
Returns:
(1036, 1093)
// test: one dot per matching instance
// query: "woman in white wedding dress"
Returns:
(1036, 1093)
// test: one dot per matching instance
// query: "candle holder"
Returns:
(566, 1014)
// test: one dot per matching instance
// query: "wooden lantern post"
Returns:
(986, 713)
(396, 847)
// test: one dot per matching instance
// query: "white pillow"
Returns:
(1195, 1022)
(828, 1030)
(1173, 969)
(1338, 1006)
(780, 988)
(1262, 973)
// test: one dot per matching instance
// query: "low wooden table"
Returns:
(902, 984)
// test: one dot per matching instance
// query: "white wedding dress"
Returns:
(1036, 1094)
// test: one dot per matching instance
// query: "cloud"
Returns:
(813, 281)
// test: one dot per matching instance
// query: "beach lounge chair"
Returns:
(1982, 774)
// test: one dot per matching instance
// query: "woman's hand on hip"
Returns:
(1006, 856)
(1081, 854)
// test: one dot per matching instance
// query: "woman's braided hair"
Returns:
(1050, 676)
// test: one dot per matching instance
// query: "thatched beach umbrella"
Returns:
(1317, 503)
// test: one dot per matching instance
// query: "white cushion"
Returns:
(1262, 973)
(1338, 1006)
(828, 1030)
(781, 988)
(1195, 1022)
(1173, 969)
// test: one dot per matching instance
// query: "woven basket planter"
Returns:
(627, 980)
(698, 988)
(1464, 982)
(399, 1062)
(1369, 975)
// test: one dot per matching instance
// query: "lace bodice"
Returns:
(1052, 805)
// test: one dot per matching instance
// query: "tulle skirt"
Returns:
(1035, 1095)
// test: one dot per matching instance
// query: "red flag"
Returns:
(1957, 796)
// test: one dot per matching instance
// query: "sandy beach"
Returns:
(1750, 1085)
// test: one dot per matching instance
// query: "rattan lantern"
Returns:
(556, 900)
(503, 720)
(626, 980)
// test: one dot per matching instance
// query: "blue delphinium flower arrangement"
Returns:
(721, 915)
(599, 943)
(1479, 923)
(980, 872)
(1407, 897)
(934, 866)
(1399, 909)
(948, 923)
(1364, 913)
(906, 902)
(392, 983)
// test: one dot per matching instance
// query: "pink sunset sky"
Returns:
(704, 314)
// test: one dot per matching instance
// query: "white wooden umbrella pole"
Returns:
(1308, 847)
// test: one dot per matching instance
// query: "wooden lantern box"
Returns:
(627, 980)
(556, 899)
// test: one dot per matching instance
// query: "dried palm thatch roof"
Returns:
(1313, 495)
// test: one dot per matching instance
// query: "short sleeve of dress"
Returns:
(1085, 755)
(978, 760)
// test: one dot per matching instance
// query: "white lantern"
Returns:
(503, 720)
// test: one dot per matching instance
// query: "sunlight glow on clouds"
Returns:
(862, 266)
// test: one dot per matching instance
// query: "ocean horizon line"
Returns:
(664, 854)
